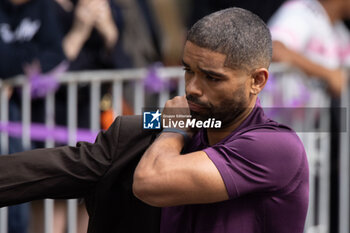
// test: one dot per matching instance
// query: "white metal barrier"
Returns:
(318, 153)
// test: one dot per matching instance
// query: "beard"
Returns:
(227, 111)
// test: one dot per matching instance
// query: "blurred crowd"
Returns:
(43, 38)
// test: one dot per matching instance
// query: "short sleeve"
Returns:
(289, 26)
(260, 161)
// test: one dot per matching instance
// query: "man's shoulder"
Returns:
(270, 139)
(267, 127)
(269, 150)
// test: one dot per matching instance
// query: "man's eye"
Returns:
(210, 78)
(187, 70)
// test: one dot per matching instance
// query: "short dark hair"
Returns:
(237, 33)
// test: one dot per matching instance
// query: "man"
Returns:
(250, 175)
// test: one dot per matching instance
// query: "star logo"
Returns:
(156, 116)
(151, 120)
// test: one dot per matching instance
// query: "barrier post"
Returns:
(4, 149)
(95, 96)
(72, 132)
(117, 94)
(49, 143)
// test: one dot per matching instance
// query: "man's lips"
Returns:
(196, 107)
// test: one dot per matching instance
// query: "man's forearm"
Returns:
(167, 145)
(156, 159)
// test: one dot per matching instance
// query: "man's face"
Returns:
(213, 90)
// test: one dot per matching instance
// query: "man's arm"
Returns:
(164, 177)
(63, 172)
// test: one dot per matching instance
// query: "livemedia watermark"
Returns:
(301, 119)
(156, 120)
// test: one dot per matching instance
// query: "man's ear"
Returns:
(259, 79)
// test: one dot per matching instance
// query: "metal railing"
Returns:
(316, 143)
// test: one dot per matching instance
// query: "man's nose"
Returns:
(193, 86)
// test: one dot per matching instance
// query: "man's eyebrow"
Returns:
(207, 72)
(184, 63)
(212, 73)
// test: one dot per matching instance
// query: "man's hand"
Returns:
(179, 102)
(176, 110)
(177, 106)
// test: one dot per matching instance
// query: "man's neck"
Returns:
(215, 135)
